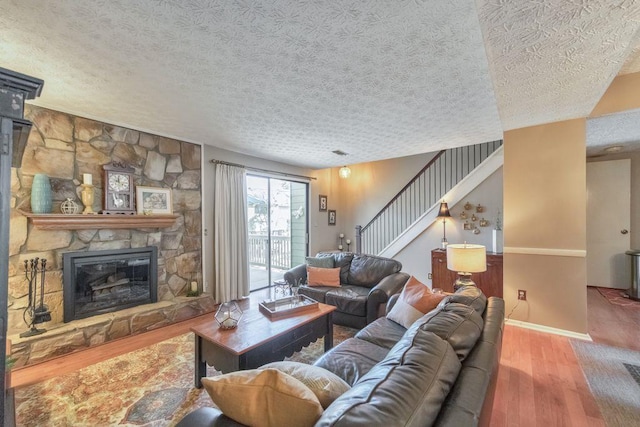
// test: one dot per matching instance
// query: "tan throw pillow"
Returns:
(415, 301)
(264, 398)
(326, 385)
(323, 276)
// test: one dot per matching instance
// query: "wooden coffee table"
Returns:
(258, 340)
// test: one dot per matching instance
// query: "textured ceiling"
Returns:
(293, 80)
(552, 60)
(617, 129)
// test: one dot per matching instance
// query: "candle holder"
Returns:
(228, 315)
(348, 242)
(341, 236)
(87, 199)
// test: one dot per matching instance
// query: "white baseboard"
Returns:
(548, 329)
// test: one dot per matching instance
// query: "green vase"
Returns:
(41, 198)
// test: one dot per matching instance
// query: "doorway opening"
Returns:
(278, 228)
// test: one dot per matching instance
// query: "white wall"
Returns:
(370, 187)
(416, 257)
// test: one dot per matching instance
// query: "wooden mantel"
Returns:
(84, 222)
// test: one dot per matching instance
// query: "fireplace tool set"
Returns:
(36, 312)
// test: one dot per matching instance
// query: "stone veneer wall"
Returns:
(64, 147)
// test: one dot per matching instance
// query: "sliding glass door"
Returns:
(278, 227)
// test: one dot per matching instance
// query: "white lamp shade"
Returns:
(466, 258)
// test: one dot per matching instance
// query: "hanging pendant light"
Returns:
(344, 172)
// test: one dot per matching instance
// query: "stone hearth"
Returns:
(64, 338)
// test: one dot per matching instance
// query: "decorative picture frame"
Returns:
(332, 217)
(322, 202)
(153, 201)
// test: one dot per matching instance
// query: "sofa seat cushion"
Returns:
(458, 324)
(349, 299)
(369, 270)
(407, 388)
(383, 332)
(316, 293)
(352, 359)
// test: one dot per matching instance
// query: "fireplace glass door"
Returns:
(105, 281)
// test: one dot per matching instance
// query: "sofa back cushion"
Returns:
(369, 270)
(341, 260)
(458, 324)
(406, 388)
(468, 295)
(471, 400)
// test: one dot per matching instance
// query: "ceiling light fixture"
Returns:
(344, 172)
(613, 149)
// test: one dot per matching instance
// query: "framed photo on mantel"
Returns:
(153, 200)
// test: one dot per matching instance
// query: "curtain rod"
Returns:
(221, 162)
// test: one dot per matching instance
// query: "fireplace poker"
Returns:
(42, 314)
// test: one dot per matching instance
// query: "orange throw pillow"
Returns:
(317, 276)
(415, 301)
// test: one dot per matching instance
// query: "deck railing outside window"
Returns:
(280, 251)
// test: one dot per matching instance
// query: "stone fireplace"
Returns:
(98, 282)
(65, 147)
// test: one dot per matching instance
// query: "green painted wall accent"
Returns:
(299, 219)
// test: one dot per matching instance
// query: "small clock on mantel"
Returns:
(118, 189)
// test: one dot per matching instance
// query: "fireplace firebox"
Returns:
(98, 282)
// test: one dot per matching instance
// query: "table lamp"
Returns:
(466, 259)
(443, 214)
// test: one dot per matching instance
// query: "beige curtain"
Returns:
(230, 233)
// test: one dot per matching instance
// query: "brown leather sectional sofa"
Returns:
(442, 371)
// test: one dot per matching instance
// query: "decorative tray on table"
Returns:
(287, 306)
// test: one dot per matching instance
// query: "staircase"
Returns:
(451, 175)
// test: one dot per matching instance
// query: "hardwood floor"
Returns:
(614, 325)
(540, 381)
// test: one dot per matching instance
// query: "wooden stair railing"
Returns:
(435, 179)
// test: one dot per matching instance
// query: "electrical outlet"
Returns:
(430, 276)
(522, 294)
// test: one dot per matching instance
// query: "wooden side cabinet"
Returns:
(490, 281)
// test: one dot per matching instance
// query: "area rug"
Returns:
(616, 296)
(613, 375)
(150, 387)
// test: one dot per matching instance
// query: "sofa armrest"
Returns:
(297, 275)
(392, 301)
(380, 294)
(207, 417)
